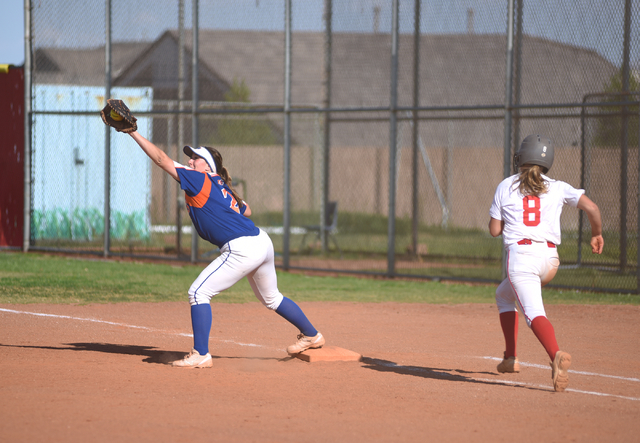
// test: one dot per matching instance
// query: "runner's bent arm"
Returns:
(593, 213)
(496, 227)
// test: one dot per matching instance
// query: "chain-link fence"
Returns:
(332, 115)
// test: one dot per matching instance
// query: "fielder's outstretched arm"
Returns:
(593, 213)
(157, 155)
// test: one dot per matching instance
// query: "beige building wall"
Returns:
(467, 178)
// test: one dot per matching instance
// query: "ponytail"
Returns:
(224, 174)
(531, 181)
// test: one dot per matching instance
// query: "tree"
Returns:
(238, 93)
(609, 127)
(243, 129)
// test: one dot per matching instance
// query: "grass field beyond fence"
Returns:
(473, 253)
(40, 278)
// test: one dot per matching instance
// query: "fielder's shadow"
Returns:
(151, 354)
(435, 373)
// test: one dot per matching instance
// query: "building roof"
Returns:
(455, 70)
(85, 67)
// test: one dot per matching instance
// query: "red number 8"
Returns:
(535, 210)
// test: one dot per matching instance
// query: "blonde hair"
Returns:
(224, 174)
(531, 182)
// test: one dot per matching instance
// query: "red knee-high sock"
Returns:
(509, 323)
(542, 328)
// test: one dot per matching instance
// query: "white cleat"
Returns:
(305, 343)
(194, 360)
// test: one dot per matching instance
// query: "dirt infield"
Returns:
(97, 373)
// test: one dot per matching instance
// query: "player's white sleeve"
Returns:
(496, 207)
(494, 211)
(571, 195)
(180, 165)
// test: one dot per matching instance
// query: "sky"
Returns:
(12, 32)
(593, 24)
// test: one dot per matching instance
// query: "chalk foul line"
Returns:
(578, 391)
(407, 368)
(593, 374)
(493, 380)
(125, 325)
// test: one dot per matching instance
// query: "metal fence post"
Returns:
(167, 182)
(179, 194)
(107, 133)
(584, 163)
(194, 112)
(624, 137)
(508, 95)
(414, 133)
(508, 103)
(393, 126)
(517, 69)
(326, 155)
(287, 138)
(26, 210)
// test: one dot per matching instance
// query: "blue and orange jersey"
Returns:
(215, 213)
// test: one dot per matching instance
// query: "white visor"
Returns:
(202, 153)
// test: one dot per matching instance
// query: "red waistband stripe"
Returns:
(526, 241)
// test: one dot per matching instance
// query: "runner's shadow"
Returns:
(435, 373)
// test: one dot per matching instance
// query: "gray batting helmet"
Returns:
(534, 150)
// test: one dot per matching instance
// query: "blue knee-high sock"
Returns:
(201, 320)
(291, 312)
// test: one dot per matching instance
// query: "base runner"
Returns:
(526, 211)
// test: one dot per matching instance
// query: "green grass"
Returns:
(454, 253)
(38, 278)
(459, 247)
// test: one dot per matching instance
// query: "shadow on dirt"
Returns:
(153, 355)
(437, 373)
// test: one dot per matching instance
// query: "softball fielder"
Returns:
(526, 211)
(220, 217)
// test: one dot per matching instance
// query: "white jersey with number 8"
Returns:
(530, 217)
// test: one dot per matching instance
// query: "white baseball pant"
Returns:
(528, 267)
(250, 257)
